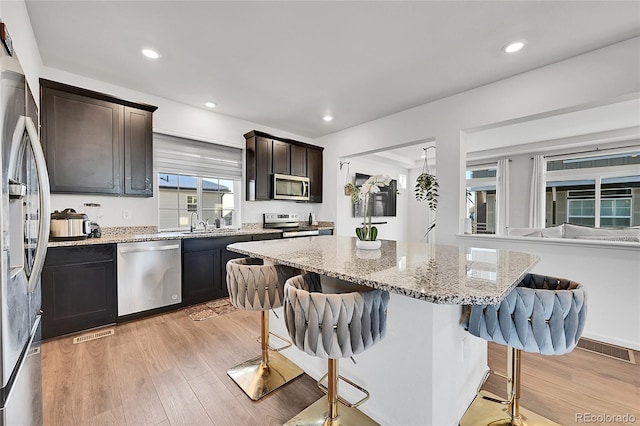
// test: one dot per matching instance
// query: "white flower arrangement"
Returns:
(372, 186)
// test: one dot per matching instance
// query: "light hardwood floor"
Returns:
(560, 387)
(170, 370)
(164, 370)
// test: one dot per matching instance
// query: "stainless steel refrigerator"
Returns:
(24, 226)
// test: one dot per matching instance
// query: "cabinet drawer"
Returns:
(79, 254)
(201, 244)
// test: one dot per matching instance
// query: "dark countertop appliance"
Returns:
(289, 223)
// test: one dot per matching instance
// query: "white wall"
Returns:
(14, 14)
(396, 226)
(601, 74)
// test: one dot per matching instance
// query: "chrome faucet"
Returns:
(205, 224)
(191, 227)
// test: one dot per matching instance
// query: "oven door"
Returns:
(286, 187)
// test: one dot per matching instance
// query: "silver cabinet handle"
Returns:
(143, 249)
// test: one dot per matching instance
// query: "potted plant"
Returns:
(426, 189)
(367, 233)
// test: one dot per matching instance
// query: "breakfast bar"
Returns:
(427, 368)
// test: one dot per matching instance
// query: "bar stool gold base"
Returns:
(316, 415)
(485, 412)
(257, 380)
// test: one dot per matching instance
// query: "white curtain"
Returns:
(537, 194)
(502, 197)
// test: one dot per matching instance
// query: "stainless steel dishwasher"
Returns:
(149, 275)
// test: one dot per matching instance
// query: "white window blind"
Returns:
(182, 156)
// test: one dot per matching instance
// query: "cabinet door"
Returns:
(138, 152)
(314, 157)
(201, 280)
(281, 157)
(83, 143)
(298, 160)
(263, 168)
(78, 290)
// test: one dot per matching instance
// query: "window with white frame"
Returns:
(481, 198)
(198, 183)
(600, 190)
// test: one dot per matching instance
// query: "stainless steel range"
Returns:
(289, 223)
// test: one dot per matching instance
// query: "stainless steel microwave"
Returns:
(286, 187)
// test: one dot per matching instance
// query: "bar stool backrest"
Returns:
(542, 315)
(255, 286)
(336, 325)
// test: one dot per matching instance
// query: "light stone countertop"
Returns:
(158, 236)
(434, 273)
(133, 234)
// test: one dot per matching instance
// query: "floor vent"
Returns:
(623, 354)
(93, 336)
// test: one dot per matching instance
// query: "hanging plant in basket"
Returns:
(426, 189)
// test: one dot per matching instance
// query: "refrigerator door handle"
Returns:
(26, 124)
(45, 204)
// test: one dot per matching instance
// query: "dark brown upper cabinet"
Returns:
(138, 152)
(314, 161)
(259, 160)
(298, 160)
(281, 157)
(95, 143)
(267, 154)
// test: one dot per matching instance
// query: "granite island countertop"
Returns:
(434, 273)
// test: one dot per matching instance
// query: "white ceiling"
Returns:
(286, 64)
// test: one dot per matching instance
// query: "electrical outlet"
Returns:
(126, 214)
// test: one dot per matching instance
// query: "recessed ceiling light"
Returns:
(327, 118)
(514, 46)
(150, 53)
(210, 104)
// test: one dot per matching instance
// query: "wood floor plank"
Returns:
(110, 417)
(58, 384)
(154, 350)
(180, 403)
(222, 406)
(184, 347)
(140, 401)
(99, 379)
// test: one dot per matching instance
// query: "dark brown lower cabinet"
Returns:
(78, 289)
(204, 260)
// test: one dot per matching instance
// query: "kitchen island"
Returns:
(426, 369)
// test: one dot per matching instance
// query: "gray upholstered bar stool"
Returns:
(333, 326)
(255, 286)
(542, 315)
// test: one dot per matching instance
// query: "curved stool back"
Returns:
(332, 326)
(255, 286)
(544, 315)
